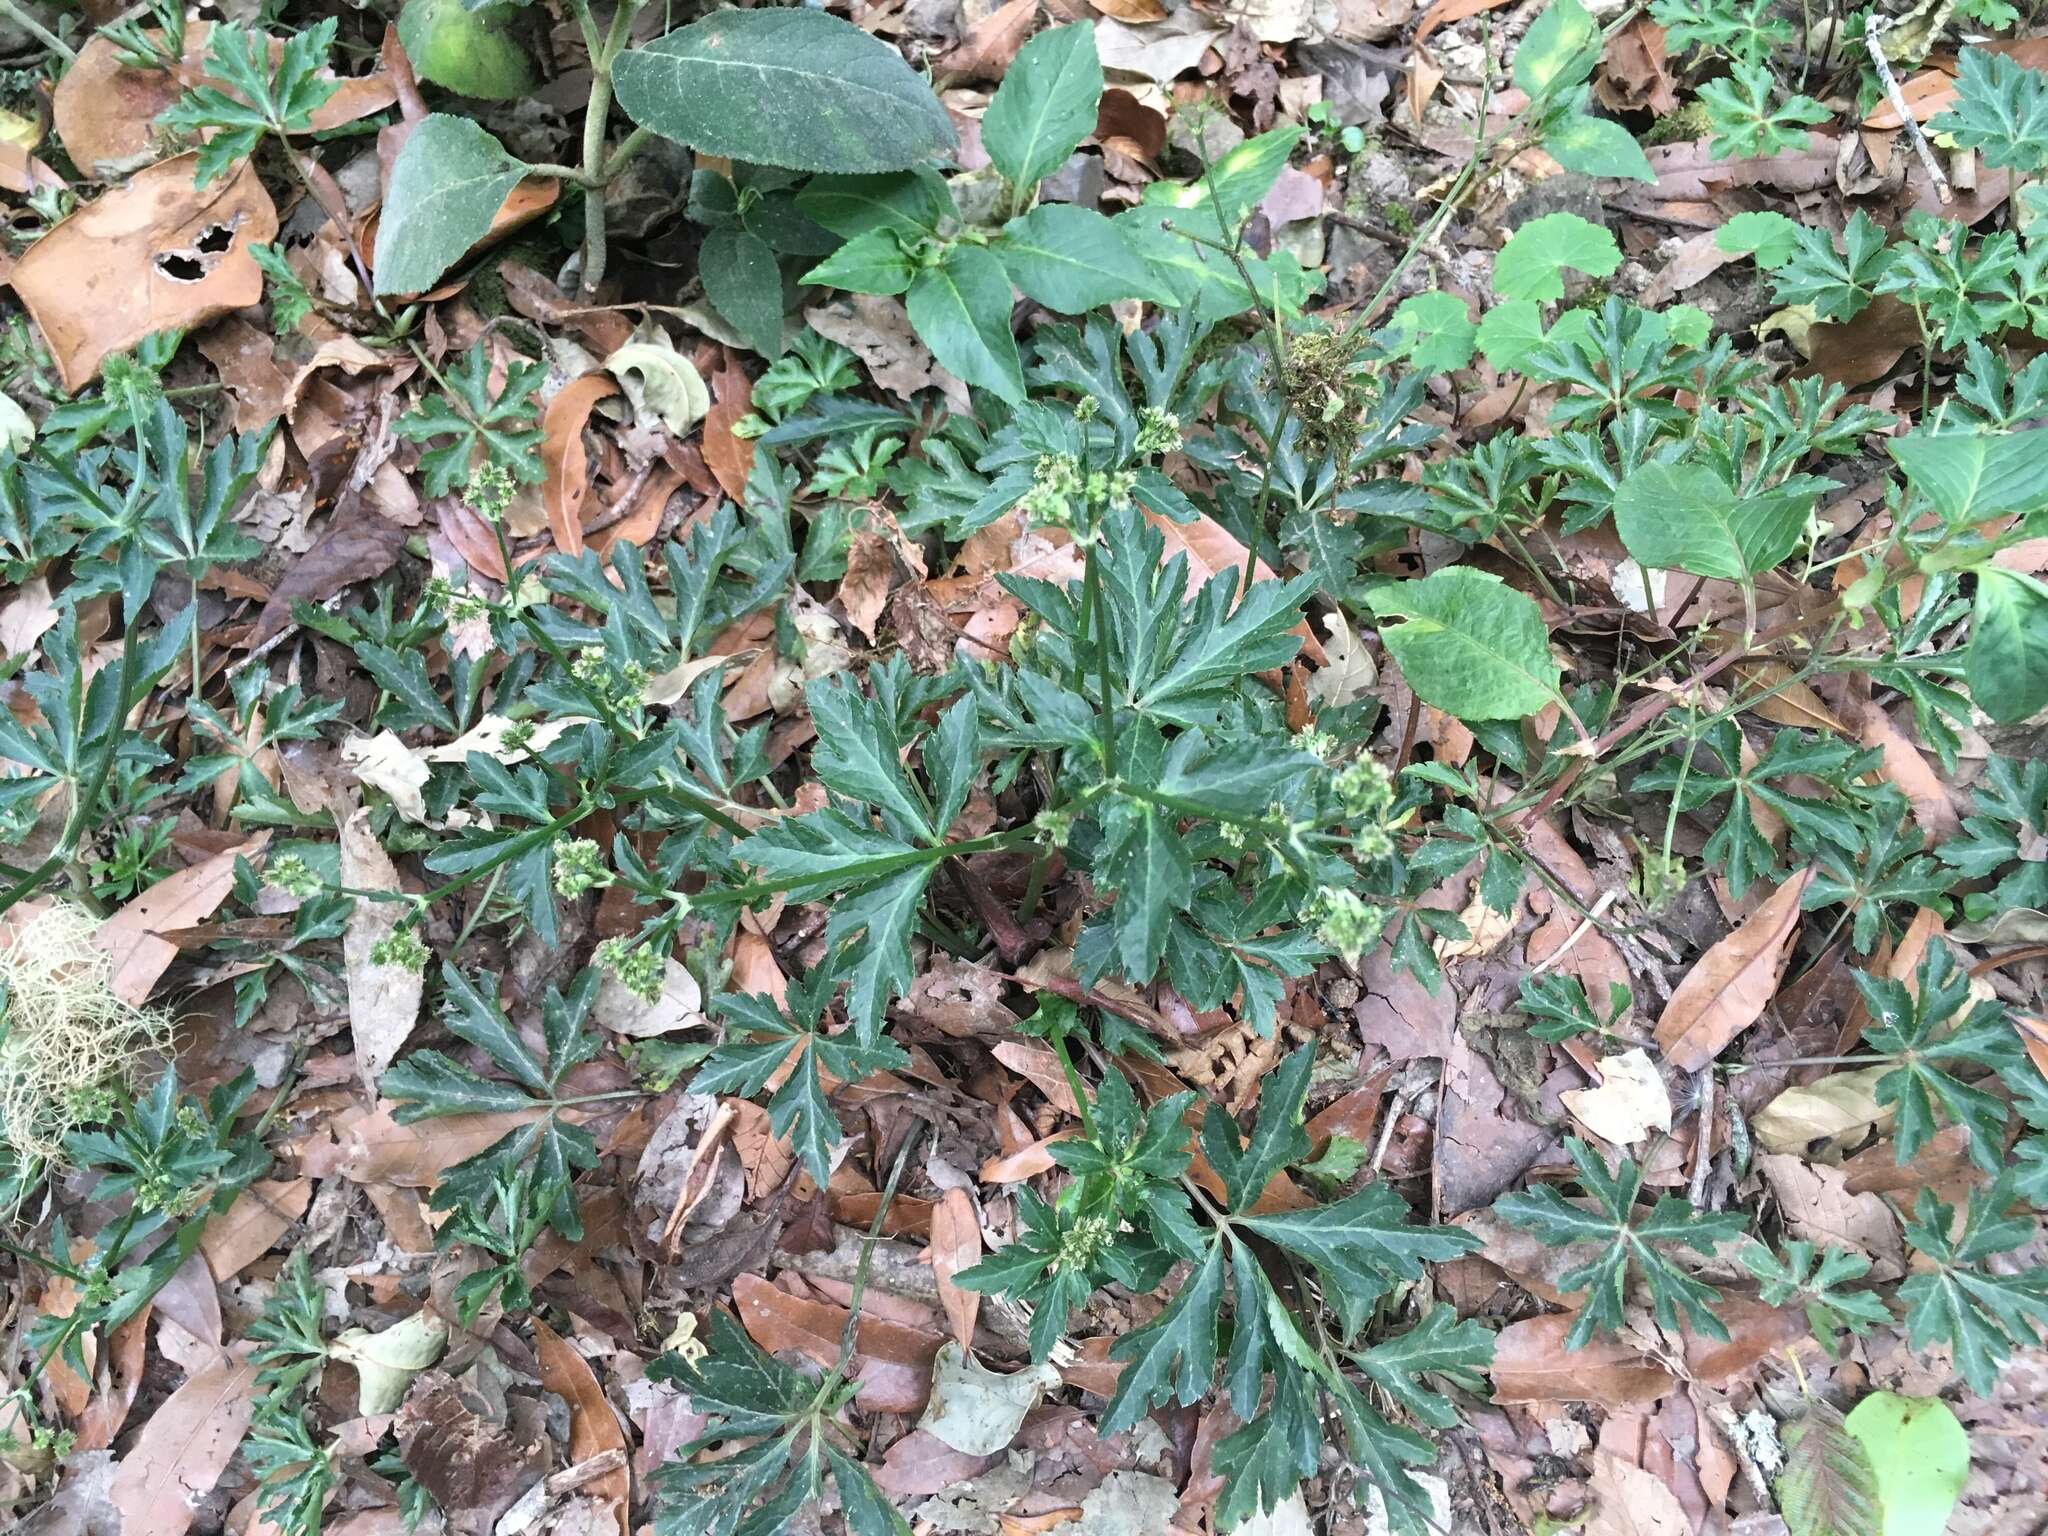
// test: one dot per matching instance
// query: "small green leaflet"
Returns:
(874, 262)
(1581, 141)
(786, 86)
(1974, 476)
(961, 310)
(449, 182)
(1532, 264)
(1468, 643)
(2000, 110)
(1557, 52)
(2006, 665)
(1045, 105)
(1684, 517)
(1434, 331)
(1073, 260)
(744, 283)
(1767, 238)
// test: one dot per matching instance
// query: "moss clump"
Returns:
(67, 1043)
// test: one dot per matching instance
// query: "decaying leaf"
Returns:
(1729, 987)
(155, 254)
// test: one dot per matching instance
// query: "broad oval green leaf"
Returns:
(1531, 265)
(1558, 51)
(871, 263)
(2006, 665)
(744, 283)
(794, 88)
(1684, 517)
(1045, 106)
(1971, 476)
(961, 310)
(1921, 1456)
(468, 50)
(1072, 259)
(1468, 643)
(449, 182)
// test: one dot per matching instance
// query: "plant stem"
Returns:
(1092, 576)
(38, 31)
(597, 168)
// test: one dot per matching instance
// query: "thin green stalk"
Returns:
(38, 31)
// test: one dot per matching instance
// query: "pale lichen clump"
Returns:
(67, 1042)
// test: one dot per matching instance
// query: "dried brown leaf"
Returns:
(1729, 987)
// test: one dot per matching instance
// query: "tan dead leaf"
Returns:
(182, 1449)
(729, 456)
(990, 45)
(663, 386)
(1819, 1121)
(105, 111)
(1818, 1208)
(679, 1005)
(1630, 1501)
(1037, 1063)
(593, 1427)
(564, 463)
(1531, 1365)
(877, 331)
(26, 617)
(383, 1000)
(1026, 1162)
(1132, 12)
(1485, 930)
(246, 1230)
(1630, 1102)
(956, 1245)
(892, 1361)
(1933, 807)
(133, 935)
(2033, 1033)
(1349, 672)
(368, 1146)
(156, 254)
(870, 572)
(1729, 987)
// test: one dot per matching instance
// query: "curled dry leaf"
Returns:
(1820, 1121)
(563, 459)
(1732, 983)
(956, 1245)
(977, 1410)
(593, 1427)
(157, 254)
(892, 1361)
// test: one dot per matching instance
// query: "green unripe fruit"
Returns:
(473, 52)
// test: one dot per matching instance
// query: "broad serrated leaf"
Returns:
(960, 308)
(784, 86)
(1044, 107)
(1468, 643)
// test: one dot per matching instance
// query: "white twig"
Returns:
(1873, 37)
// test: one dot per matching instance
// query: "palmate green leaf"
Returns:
(2006, 664)
(449, 182)
(1045, 106)
(1468, 643)
(787, 86)
(259, 99)
(1981, 1315)
(500, 422)
(1816, 1281)
(1532, 264)
(1745, 120)
(1434, 332)
(743, 281)
(1838, 284)
(2000, 110)
(1073, 260)
(1629, 1241)
(1277, 1138)
(858, 753)
(1769, 239)
(1440, 1345)
(1935, 1027)
(1684, 517)
(1174, 1355)
(1510, 331)
(1362, 1244)
(960, 308)
(1265, 1460)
